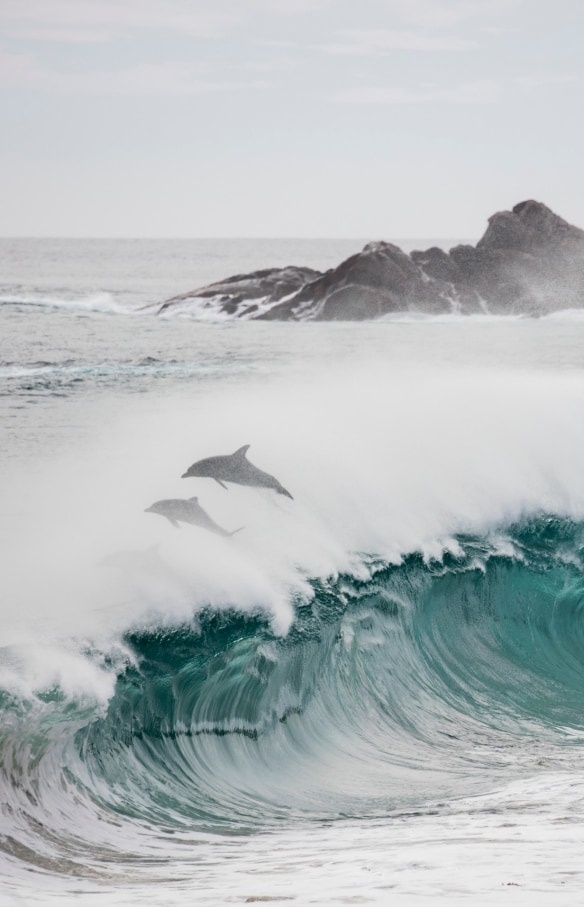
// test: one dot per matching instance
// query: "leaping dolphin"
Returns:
(235, 468)
(178, 510)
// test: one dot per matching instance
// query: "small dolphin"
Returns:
(235, 468)
(178, 510)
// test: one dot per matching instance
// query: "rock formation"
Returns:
(244, 295)
(529, 261)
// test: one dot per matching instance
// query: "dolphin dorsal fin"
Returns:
(242, 451)
(193, 500)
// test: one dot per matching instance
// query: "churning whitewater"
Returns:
(368, 685)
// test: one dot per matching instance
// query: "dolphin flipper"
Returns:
(223, 485)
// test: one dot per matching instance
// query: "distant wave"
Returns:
(91, 302)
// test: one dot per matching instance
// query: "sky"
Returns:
(287, 118)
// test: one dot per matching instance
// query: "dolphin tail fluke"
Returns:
(235, 531)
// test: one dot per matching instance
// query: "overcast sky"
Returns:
(374, 119)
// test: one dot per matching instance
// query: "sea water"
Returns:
(373, 693)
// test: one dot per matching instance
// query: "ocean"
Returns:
(372, 693)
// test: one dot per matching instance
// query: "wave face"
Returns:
(388, 690)
(403, 685)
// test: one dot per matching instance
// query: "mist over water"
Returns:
(381, 458)
(369, 689)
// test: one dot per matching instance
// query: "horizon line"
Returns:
(229, 238)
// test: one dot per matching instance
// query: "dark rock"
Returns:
(233, 295)
(529, 227)
(529, 261)
(379, 280)
(437, 264)
(356, 303)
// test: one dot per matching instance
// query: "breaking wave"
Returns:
(100, 301)
(394, 687)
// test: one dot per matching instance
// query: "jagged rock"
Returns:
(529, 261)
(437, 264)
(530, 227)
(232, 296)
(379, 280)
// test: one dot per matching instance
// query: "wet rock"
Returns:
(232, 296)
(379, 280)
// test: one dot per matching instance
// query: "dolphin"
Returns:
(235, 468)
(178, 510)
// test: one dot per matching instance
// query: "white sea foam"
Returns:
(521, 843)
(381, 459)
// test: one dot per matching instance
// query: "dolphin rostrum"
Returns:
(235, 468)
(178, 510)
